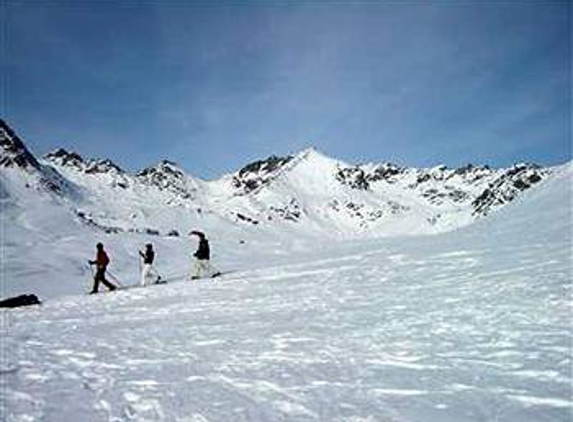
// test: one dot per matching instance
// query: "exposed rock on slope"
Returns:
(257, 174)
(13, 152)
(506, 187)
(15, 155)
(167, 176)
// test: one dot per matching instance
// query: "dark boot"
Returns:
(95, 287)
(109, 285)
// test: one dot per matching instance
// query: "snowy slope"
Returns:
(56, 208)
(47, 240)
(470, 325)
(311, 193)
(307, 192)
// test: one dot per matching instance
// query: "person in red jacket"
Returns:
(101, 262)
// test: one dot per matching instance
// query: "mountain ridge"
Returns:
(309, 189)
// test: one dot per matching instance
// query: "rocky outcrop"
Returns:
(387, 172)
(13, 152)
(63, 157)
(507, 187)
(168, 177)
(73, 160)
(103, 166)
(258, 173)
(290, 212)
(353, 177)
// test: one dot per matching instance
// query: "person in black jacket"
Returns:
(202, 267)
(148, 273)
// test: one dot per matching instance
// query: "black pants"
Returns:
(100, 276)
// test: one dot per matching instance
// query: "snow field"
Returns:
(473, 325)
(393, 333)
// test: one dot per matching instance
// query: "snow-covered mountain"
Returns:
(307, 193)
(468, 325)
(320, 316)
(16, 158)
(375, 199)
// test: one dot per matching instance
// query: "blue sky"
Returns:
(214, 85)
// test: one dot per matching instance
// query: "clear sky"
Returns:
(213, 85)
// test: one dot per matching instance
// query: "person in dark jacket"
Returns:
(149, 274)
(101, 262)
(149, 254)
(202, 267)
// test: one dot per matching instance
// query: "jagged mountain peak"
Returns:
(164, 169)
(168, 176)
(71, 159)
(267, 165)
(523, 166)
(386, 171)
(259, 173)
(168, 163)
(13, 152)
(64, 157)
(471, 167)
(103, 166)
(316, 157)
(309, 152)
(306, 187)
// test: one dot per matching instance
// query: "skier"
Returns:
(101, 262)
(203, 255)
(148, 273)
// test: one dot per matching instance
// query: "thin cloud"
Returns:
(213, 86)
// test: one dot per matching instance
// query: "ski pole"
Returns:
(157, 273)
(139, 260)
(91, 271)
(115, 279)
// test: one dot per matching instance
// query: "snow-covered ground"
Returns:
(471, 325)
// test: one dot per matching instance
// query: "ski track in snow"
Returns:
(379, 336)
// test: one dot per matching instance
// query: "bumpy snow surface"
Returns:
(472, 325)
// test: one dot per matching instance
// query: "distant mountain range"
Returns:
(303, 193)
